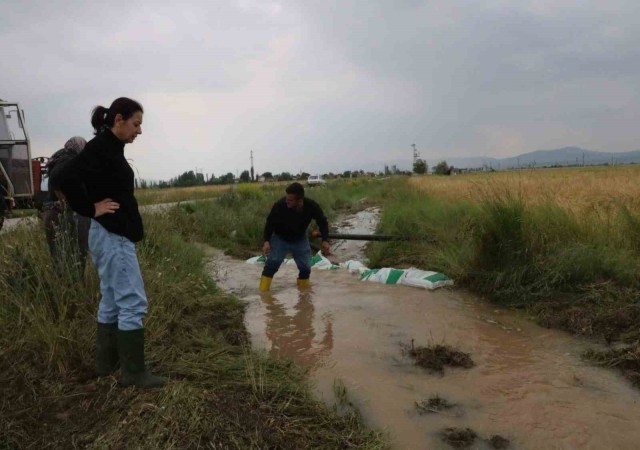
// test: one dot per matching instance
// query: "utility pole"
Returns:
(252, 173)
(416, 155)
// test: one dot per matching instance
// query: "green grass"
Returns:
(17, 213)
(540, 257)
(569, 270)
(575, 272)
(235, 222)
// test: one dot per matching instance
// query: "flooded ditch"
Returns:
(527, 387)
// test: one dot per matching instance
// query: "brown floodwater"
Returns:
(528, 384)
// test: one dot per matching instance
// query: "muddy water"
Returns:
(528, 384)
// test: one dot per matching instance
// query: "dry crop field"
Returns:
(178, 194)
(582, 190)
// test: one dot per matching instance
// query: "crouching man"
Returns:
(286, 232)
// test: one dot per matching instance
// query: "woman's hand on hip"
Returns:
(106, 206)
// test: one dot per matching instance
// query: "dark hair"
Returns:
(102, 117)
(295, 189)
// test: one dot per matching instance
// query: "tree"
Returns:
(268, 176)
(285, 176)
(346, 174)
(245, 176)
(189, 178)
(225, 179)
(420, 166)
(442, 168)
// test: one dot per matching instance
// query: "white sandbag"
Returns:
(256, 260)
(424, 279)
(317, 262)
(386, 275)
(354, 266)
(320, 262)
(409, 277)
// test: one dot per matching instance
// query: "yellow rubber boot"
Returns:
(303, 284)
(265, 283)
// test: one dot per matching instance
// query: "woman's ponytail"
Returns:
(98, 118)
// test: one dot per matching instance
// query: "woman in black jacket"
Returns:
(99, 183)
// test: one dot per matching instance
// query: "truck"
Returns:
(315, 180)
(20, 174)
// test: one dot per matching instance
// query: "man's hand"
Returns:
(106, 206)
(266, 248)
(325, 248)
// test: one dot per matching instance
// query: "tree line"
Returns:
(191, 178)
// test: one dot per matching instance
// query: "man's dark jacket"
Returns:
(101, 171)
(291, 225)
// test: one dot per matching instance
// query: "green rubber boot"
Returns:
(107, 360)
(133, 370)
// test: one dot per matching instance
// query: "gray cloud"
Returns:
(320, 86)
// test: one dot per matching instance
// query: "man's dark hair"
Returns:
(295, 189)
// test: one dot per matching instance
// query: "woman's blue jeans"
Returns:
(300, 249)
(123, 298)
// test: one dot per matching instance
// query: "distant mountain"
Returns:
(566, 156)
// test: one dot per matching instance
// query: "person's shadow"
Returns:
(294, 336)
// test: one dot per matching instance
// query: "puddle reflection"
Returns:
(293, 334)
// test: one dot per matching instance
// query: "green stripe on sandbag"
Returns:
(261, 259)
(394, 276)
(367, 273)
(315, 259)
(436, 277)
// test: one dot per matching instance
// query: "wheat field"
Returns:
(581, 190)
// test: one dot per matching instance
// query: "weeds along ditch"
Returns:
(222, 394)
(561, 244)
(512, 240)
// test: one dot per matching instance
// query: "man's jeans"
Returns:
(123, 297)
(300, 250)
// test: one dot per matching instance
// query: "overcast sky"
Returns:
(323, 85)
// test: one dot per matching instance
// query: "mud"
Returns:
(458, 437)
(436, 357)
(528, 384)
(498, 442)
(434, 404)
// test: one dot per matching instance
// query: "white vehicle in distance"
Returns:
(315, 180)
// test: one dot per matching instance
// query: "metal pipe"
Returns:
(370, 237)
(366, 237)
